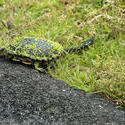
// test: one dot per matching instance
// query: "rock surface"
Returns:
(28, 97)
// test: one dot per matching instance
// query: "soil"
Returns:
(28, 97)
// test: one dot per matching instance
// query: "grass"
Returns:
(101, 69)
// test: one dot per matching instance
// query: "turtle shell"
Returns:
(37, 49)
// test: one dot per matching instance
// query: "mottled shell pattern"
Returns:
(37, 49)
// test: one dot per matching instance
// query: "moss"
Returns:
(38, 49)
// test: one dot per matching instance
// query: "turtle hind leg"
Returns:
(9, 57)
(37, 66)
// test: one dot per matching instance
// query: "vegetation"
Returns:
(101, 69)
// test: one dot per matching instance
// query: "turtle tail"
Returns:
(84, 46)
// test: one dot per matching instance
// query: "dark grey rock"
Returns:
(28, 97)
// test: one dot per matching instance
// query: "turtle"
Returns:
(38, 52)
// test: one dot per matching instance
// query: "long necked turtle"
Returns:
(38, 52)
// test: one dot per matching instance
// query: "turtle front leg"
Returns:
(38, 67)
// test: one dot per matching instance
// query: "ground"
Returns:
(101, 69)
(28, 97)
